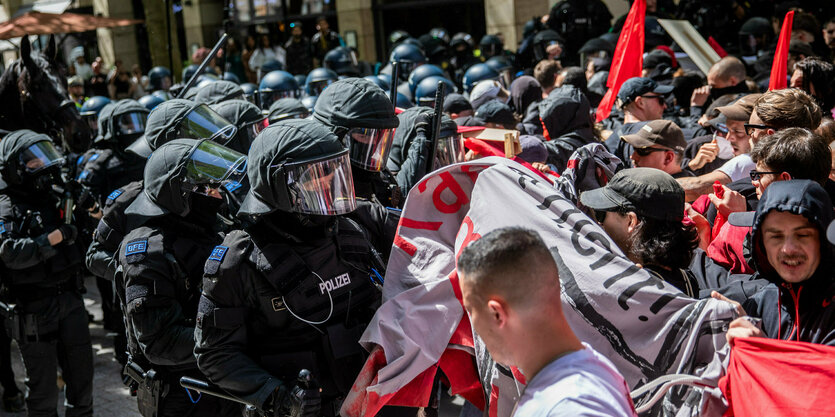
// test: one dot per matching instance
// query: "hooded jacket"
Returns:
(566, 117)
(803, 311)
(218, 91)
(409, 156)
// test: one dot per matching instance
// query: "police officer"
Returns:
(219, 91)
(297, 288)
(160, 265)
(246, 117)
(287, 108)
(277, 85)
(362, 116)
(159, 78)
(318, 80)
(41, 271)
(578, 21)
(90, 112)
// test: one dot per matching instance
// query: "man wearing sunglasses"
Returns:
(641, 100)
(659, 144)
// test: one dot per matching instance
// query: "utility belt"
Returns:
(152, 383)
(73, 282)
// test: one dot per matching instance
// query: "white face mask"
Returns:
(725, 149)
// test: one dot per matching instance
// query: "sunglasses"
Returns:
(660, 99)
(750, 127)
(647, 151)
(600, 216)
(757, 175)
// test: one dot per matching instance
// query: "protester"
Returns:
(566, 124)
(323, 41)
(545, 73)
(511, 291)
(299, 60)
(790, 250)
(641, 100)
(659, 144)
(496, 114)
(642, 209)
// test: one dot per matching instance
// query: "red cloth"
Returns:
(720, 220)
(781, 55)
(716, 47)
(726, 249)
(768, 377)
(628, 58)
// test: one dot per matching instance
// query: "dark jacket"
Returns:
(802, 311)
(565, 113)
(409, 156)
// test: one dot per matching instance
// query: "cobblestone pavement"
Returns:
(110, 397)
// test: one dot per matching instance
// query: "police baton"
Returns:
(395, 72)
(203, 65)
(436, 126)
(204, 387)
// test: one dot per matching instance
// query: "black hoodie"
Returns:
(803, 311)
(566, 116)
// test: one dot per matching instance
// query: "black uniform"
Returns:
(410, 153)
(578, 21)
(159, 277)
(44, 281)
(296, 289)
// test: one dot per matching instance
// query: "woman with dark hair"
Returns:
(266, 52)
(816, 77)
(249, 48)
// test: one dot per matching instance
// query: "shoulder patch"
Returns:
(114, 195)
(215, 259)
(79, 160)
(2, 227)
(231, 186)
(94, 157)
(136, 250)
(83, 174)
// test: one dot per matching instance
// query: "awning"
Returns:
(37, 23)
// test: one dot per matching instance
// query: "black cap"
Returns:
(649, 192)
(456, 103)
(638, 86)
(495, 111)
(657, 57)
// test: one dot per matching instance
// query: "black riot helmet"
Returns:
(249, 90)
(159, 78)
(298, 166)
(408, 57)
(428, 87)
(343, 61)
(122, 123)
(397, 36)
(276, 85)
(544, 42)
(440, 33)
(181, 169)
(90, 111)
(287, 108)
(362, 116)
(30, 161)
(217, 91)
(418, 74)
(754, 35)
(180, 118)
(247, 117)
(462, 43)
(476, 73)
(318, 80)
(491, 46)
(504, 67)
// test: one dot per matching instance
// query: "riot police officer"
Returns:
(90, 112)
(287, 108)
(318, 80)
(218, 91)
(246, 117)
(41, 271)
(362, 116)
(296, 289)
(160, 266)
(159, 78)
(277, 85)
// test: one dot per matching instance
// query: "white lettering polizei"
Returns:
(334, 283)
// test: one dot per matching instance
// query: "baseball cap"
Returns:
(495, 111)
(638, 86)
(456, 103)
(649, 192)
(658, 132)
(741, 109)
(720, 123)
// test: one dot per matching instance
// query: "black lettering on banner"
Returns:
(524, 177)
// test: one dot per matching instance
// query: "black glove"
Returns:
(303, 400)
(69, 233)
(423, 121)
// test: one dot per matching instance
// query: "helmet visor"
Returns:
(131, 123)
(40, 156)
(255, 128)
(370, 147)
(268, 96)
(214, 165)
(204, 123)
(448, 150)
(316, 87)
(324, 187)
(92, 121)
(277, 117)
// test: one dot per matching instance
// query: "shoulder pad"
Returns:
(229, 254)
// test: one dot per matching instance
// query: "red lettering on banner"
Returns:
(404, 244)
(469, 237)
(418, 224)
(447, 182)
(473, 170)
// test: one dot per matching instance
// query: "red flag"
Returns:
(716, 47)
(781, 55)
(628, 59)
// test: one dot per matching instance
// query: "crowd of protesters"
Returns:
(723, 190)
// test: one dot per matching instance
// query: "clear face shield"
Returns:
(449, 150)
(370, 148)
(316, 87)
(40, 156)
(211, 166)
(506, 78)
(268, 96)
(321, 187)
(204, 123)
(92, 121)
(130, 123)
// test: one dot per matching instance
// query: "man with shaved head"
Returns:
(726, 76)
(511, 290)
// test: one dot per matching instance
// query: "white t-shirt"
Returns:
(738, 167)
(582, 383)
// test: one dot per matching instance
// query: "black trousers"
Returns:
(7, 379)
(63, 338)
(178, 402)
